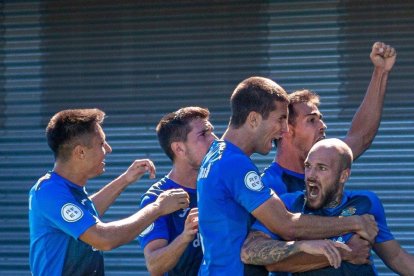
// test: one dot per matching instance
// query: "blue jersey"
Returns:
(168, 227)
(353, 203)
(60, 212)
(229, 188)
(282, 180)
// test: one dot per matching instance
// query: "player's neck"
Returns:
(70, 172)
(239, 137)
(184, 175)
(290, 158)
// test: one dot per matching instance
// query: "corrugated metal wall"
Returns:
(138, 61)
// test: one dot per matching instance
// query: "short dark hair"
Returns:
(70, 127)
(175, 126)
(255, 94)
(300, 96)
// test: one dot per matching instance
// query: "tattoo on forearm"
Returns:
(258, 249)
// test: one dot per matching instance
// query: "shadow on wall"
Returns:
(138, 60)
(362, 24)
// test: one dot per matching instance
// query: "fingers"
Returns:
(333, 254)
(343, 246)
(181, 196)
(173, 200)
(370, 228)
(146, 165)
(380, 48)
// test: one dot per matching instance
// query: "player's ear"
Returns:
(79, 152)
(344, 175)
(253, 119)
(177, 148)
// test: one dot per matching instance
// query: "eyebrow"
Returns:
(206, 128)
(318, 114)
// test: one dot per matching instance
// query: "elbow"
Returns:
(244, 256)
(289, 234)
(105, 245)
(153, 269)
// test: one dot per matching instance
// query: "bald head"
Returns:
(335, 148)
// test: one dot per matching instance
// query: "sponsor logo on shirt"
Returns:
(196, 241)
(184, 212)
(147, 230)
(71, 213)
(348, 211)
(252, 181)
(204, 172)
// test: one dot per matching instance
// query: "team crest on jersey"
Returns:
(71, 213)
(348, 211)
(147, 230)
(252, 181)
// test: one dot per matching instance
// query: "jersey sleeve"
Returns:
(245, 184)
(271, 178)
(156, 230)
(60, 207)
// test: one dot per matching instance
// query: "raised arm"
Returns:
(367, 119)
(106, 236)
(161, 257)
(108, 194)
(299, 226)
(395, 257)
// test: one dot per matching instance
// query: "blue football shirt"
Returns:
(60, 212)
(229, 188)
(282, 180)
(353, 203)
(168, 227)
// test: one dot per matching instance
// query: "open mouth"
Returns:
(320, 138)
(313, 190)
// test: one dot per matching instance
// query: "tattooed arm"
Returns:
(260, 249)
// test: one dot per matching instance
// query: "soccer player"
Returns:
(306, 126)
(327, 168)
(171, 244)
(67, 236)
(230, 190)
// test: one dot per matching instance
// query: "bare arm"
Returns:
(108, 194)
(302, 262)
(368, 116)
(299, 262)
(277, 256)
(395, 257)
(106, 236)
(260, 249)
(161, 257)
(299, 226)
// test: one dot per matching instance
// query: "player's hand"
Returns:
(327, 248)
(368, 227)
(360, 253)
(137, 169)
(190, 225)
(172, 200)
(383, 56)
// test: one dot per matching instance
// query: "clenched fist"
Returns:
(383, 56)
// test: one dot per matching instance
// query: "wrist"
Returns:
(157, 209)
(124, 181)
(381, 70)
(185, 238)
